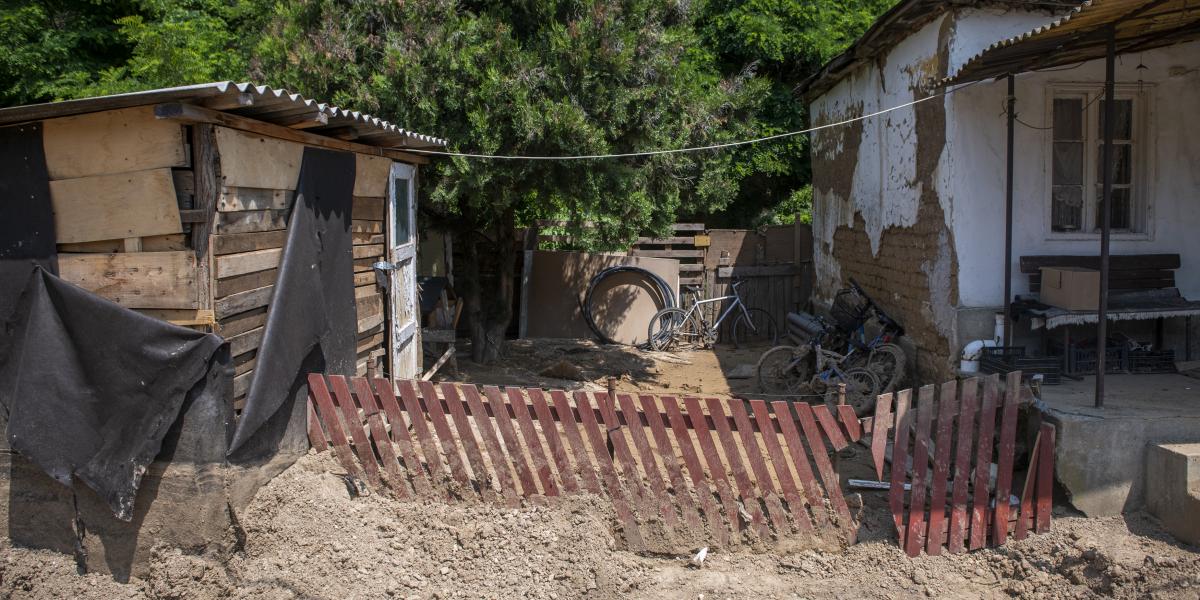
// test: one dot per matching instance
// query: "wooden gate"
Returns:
(680, 473)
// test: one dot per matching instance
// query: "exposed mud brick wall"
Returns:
(912, 271)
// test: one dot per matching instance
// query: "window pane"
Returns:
(1124, 123)
(1068, 118)
(1068, 163)
(1122, 215)
(401, 216)
(1122, 163)
(1066, 209)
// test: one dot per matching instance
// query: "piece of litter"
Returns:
(698, 559)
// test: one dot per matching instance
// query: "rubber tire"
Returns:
(888, 352)
(762, 322)
(660, 333)
(862, 401)
(771, 379)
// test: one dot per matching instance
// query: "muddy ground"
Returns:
(307, 537)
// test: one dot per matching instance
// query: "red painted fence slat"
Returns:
(833, 432)
(947, 407)
(1025, 514)
(566, 473)
(483, 479)
(362, 446)
(316, 435)
(833, 485)
(812, 492)
(541, 464)
(716, 468)
(1045, 479)
(500, 465)
(915, 538)
(850, 422)
(508, 435)
(692, 462)
(567, 417)
(1007, 449)
(745, 486)
(879, 431)
(649, 464)
(429, 449)
(379, 436)
(758, 465)
(437, 416)
(607, 470)
(795, 503)
(328, 415)
(983, 462)
(968, 406)
(900, 446)
(662, 444)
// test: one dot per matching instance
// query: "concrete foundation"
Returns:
(1102, 453)
(1173, 489)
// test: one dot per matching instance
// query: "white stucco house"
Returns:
(912, 203)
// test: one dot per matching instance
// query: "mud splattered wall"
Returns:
(879, 215)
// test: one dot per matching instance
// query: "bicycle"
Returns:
(785, 369)
(673, 327)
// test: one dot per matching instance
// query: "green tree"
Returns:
(780, 42)
(61, 49)
(530, 78)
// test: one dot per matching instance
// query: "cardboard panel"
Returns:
(106, 207)
(623, 304)
(115, 141)
(135, 279)
(255, 161)
(371, 175)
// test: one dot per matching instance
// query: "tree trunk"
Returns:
(489, 307)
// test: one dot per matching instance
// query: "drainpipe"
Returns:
(1008, 213)
(1106, 214)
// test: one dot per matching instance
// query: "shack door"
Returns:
(402, 252)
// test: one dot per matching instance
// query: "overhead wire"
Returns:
(720, 146)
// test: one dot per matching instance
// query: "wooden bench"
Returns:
(1125, 271)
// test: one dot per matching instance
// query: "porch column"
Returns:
(1008, 213)
(1106, 214)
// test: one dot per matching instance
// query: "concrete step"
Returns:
(1173, 489)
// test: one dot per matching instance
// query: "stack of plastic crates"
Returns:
(1006, 359)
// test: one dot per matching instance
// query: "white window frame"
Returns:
(1143, 144)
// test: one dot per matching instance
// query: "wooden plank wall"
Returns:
(120, 183)
(258, 180)
(775, 268)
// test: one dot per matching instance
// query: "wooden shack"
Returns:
(183, 205)
(175, 203)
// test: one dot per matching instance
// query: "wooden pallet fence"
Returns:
(952, 437)
(680, 472)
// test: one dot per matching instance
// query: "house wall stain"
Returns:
(885, 224)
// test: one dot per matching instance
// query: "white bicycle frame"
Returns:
(737, 302)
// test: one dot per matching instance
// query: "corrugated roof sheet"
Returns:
(903, 19)
(1081, 36)
(259, 102)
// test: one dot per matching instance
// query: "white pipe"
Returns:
(998, 330)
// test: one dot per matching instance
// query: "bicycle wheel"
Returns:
(861, 388)
(671, 328)
(758, 330)
(783, 369)
(887, 362)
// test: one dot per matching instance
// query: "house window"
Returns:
(1077, 174)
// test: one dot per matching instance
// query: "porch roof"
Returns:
(1081, 36)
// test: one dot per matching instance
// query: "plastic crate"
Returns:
(1006, 359)
(1152, 361)
(1081, 360)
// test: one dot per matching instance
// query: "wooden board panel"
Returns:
(115, 141)
(962, 465)
(251, 221)
(365, 226)
(947, 407)
(245, 198)
(369, 208)
(243, 301)
(243, 343)
(371, 251)
(257, 161)
(232, 265)
(153, 243)
(371, 175)
(248, 242)
(106, 207)
(242, 322)
(135, 279)
(247, 282)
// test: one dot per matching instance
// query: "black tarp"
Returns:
(311, 322)
(92, 388)
(26, 215)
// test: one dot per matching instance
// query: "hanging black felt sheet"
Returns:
(92, 388)
(311, 320)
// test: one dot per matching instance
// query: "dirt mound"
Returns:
(307, 537)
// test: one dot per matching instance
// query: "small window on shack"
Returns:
(1076, 162)
(402, 213)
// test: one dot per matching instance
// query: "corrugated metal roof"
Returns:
(1081, 36)
(903, 19)
(258, 102)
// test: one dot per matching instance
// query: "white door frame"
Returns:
(404, 344)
